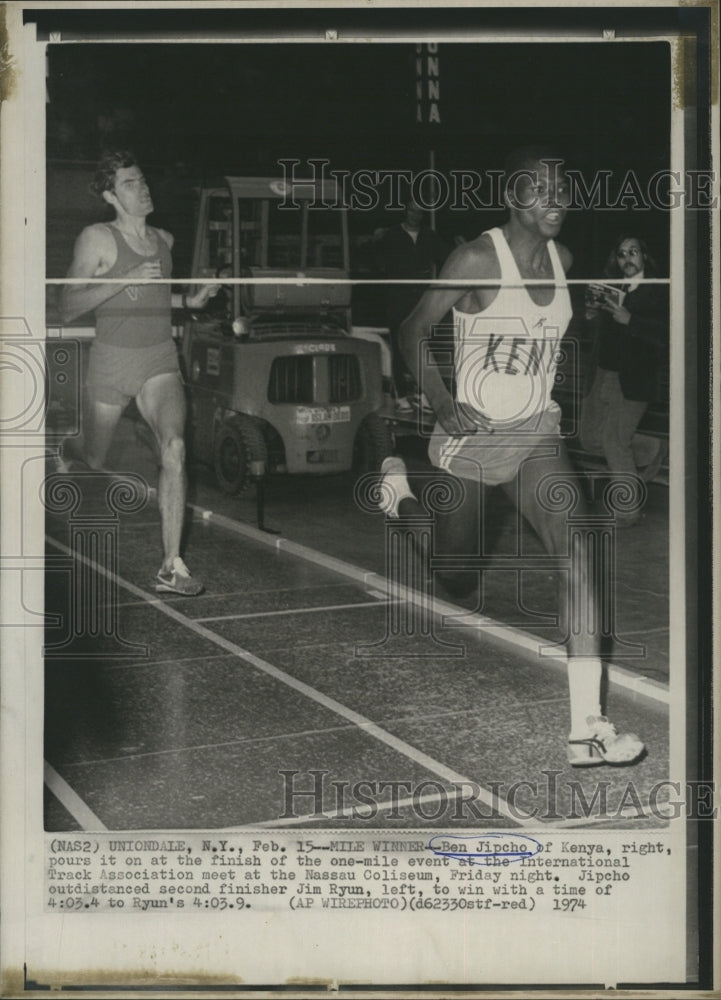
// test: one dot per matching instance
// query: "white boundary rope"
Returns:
(302, 279)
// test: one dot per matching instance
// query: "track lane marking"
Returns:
(292, 611)
(256, 591)
(200, 747)
(71, 801)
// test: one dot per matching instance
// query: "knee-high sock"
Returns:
(584, 687)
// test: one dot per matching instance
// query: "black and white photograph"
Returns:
(356, 523)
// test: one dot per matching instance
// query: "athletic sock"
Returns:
(394, 486)
(584, 687)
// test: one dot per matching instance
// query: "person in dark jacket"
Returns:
(633, 336)
(408, 250)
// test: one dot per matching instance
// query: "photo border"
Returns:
(701, 231)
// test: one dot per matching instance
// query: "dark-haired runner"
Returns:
(133, 355)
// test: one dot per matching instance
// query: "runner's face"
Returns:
(629, 258)
(131, 195)
(541, 197)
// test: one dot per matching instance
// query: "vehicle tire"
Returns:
(238, 443)
(373, 443)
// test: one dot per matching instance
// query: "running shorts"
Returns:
(117, 374)
(493, 458)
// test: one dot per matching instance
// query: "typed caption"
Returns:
(253, 873)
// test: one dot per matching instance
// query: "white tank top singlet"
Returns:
(506, 356)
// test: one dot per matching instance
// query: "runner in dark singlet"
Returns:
(133, 355)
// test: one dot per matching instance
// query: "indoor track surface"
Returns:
(272, 670)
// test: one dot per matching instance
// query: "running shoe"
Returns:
(601, 744)
(393, 486)
(421, 403)
(178, 580)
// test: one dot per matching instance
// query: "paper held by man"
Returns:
(602, 293)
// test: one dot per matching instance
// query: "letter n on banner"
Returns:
(428, 84)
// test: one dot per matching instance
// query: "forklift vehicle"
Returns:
(276, 381)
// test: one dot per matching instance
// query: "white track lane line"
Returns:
(366, 725)
(230, 593)
(71, 800)
(291, 611)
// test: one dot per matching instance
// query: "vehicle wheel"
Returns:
(373, 443)
(237, 444)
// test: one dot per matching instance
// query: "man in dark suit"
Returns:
(633, 336)
(409, 250)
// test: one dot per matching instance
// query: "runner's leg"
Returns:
(161, 402)
(456, 532)
(101, 420)
(584, 663)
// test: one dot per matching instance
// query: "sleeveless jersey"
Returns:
(138, 315)
(506, 356)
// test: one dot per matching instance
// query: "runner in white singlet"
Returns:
(511, 308)
(506, 358)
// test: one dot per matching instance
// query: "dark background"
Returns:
(193, 112)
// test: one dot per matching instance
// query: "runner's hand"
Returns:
(455, 420)
(200, 298)
(146, 271)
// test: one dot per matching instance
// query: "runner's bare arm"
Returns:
(193, 300)
(469, 262)
(197, 299)
(93, 256)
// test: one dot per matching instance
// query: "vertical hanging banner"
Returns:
(428, 84)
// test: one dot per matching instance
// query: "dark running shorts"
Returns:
(493, 458)
(117, 374)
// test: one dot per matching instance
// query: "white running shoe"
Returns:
(421, 403)
(393, 486)
(178, 580)
(601, 744)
